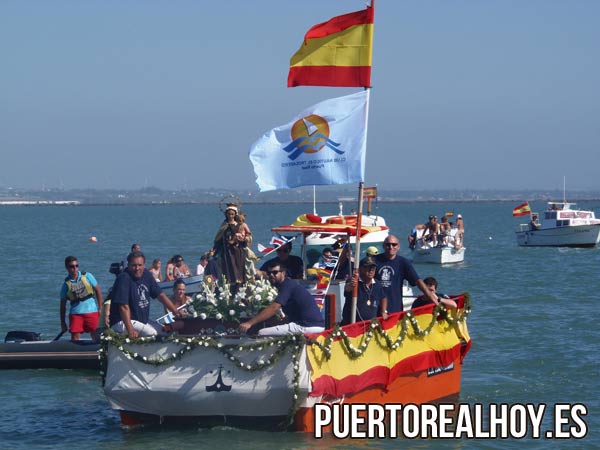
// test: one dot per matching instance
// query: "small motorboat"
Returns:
(26, 350)
(562, 225)
(445, 252)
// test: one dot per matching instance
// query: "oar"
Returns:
(58, 336)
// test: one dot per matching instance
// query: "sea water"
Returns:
(534, 326)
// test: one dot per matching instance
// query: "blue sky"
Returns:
(466, 94)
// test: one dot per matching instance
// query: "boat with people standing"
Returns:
(438, 243)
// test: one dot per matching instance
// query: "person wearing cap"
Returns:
(372, 251)
(371, 300)
(392, 270)
(295, 301)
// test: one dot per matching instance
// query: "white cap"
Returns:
(372, 251)
(459, 217)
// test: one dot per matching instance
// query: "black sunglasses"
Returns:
(391, 244)
(273, 272)
(73, 266)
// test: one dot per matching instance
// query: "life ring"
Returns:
(343, 220)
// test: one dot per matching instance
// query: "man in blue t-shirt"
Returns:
(392, 270)
(297, 304)
(131, 294)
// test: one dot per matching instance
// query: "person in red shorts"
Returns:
(82, 292)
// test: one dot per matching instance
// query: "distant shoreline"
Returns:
(72, 203)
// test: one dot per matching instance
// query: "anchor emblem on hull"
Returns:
(219, 385)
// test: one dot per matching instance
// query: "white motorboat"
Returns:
(447, 254)
(562, 225)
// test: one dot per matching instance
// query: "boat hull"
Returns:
(275, 383)
(439, 255)
(50, 355)
(569, 236)
(428, 386)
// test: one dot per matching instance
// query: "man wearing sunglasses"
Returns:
(293, 263)
(296, 303)
(83, 292)
(392, 270)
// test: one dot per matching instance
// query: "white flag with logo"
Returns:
(325, 144)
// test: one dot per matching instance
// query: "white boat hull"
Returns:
(319, 239)
(202, 383)
(439, 255)
(373, 237)
(570, 236)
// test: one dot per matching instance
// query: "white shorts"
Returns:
(143, 329)
(289, 328)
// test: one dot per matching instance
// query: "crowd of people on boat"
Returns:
(444, 233)
(377, 284)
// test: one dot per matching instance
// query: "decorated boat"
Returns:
(562, 225)
(209, 375)
(273, 383)
(27, 350)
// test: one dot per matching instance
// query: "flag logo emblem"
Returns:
(310, 134)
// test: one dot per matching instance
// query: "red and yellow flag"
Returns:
(370, 192)
(336, 53)
(522, 210)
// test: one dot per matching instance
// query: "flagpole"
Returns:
(357, 252)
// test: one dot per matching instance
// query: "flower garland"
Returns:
(215, 299)
(406, 320)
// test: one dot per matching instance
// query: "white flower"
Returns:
(257, 297)
(232, 312)
(219, 316)
(203, 316)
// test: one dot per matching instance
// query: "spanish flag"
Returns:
(370, 192)
(336, 53)
(339, 375)
(522, 210)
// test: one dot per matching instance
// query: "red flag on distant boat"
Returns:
(522, 210)
(370, 192)
(336, 53)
